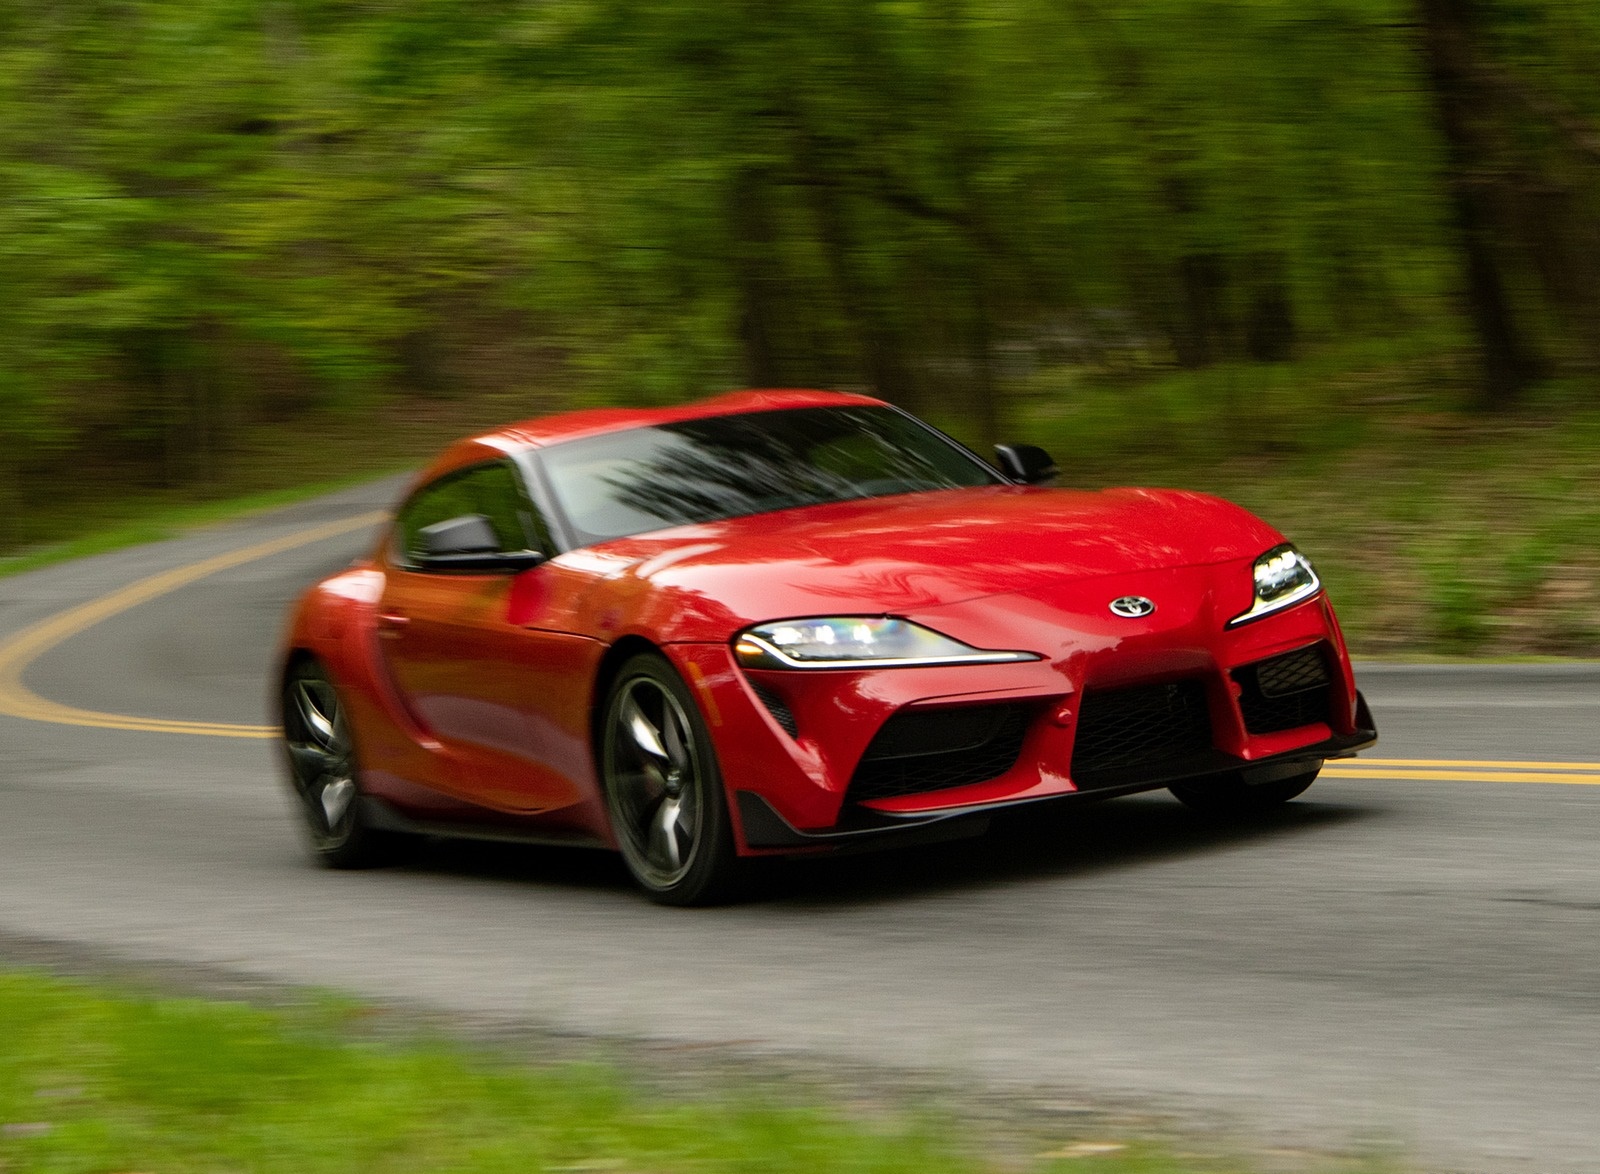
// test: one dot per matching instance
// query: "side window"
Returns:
(493, 490)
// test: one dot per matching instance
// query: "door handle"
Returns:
(392, 623)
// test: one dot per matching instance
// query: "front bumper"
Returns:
(765, 828)
(795, 747)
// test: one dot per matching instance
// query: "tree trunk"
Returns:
(1508, 366)
(1269, 331)
(985, 390)
(755, 248)
(882, 350)
(1204, 331)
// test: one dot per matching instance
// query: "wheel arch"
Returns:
(605, 676)
(293, 657)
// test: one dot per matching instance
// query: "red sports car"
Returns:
(780, 622)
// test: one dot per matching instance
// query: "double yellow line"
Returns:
(23, 648)
(1451, 770)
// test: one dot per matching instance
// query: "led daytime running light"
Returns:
(1283, 577)
(833, 642)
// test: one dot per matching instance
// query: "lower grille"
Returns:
(921, 750)
(1285, 692)
(1145, 726)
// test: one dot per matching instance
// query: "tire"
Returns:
(1230, 797)
(664, 792)
(322, 769)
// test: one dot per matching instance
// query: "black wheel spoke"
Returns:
(675, 744)
(639, 793)
(665, 846)
(311, 763)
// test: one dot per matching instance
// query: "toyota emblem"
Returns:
(1132, 606)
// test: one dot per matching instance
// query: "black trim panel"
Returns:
(383, 816)
(765, 828)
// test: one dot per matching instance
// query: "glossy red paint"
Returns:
(473, 697)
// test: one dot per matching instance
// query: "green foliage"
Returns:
(96, 1081)
(223, 215)
(1437, 533)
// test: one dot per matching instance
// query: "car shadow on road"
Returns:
(568, 868)
(1050, 841)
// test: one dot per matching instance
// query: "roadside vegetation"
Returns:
(268, 467)
(1440, 534)
(94, 1081)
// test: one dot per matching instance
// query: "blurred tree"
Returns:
(1449, 31)
(214, 212)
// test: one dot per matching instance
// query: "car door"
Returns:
(496, 695)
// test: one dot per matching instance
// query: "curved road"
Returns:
(1411, 953)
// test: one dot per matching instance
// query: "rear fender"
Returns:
(334, 622)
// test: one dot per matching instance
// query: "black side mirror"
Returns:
(1025, 464)
(469, 543)
(468, 534)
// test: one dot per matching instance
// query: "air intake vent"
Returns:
(1285, 692)
(921, 750)
(778, 708)
(1149, 726)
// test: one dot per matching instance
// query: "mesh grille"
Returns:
(1284, 692)
(1293, 672)
(778, 708)
(921, 750)
(1142, 726)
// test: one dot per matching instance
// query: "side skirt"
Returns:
(384, 817)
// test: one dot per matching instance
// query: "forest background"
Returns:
(1336, 259)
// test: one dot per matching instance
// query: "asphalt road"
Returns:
(1411, 957)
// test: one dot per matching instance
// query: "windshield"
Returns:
(728, 466)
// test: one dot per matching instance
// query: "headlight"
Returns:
(835, 642)
(1284, 577)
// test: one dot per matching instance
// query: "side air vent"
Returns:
(1285, 692)
(778, 708)
(920, 750)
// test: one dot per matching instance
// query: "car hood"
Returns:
(911, 552)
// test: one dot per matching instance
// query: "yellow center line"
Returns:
(1463, 776)
(1470, 763)
(23, 648)
(1583, 774)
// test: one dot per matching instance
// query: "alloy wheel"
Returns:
(321, 757)
(655, 782)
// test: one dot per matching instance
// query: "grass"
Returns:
(96, 1081)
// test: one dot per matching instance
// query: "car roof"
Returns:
(546, 430)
